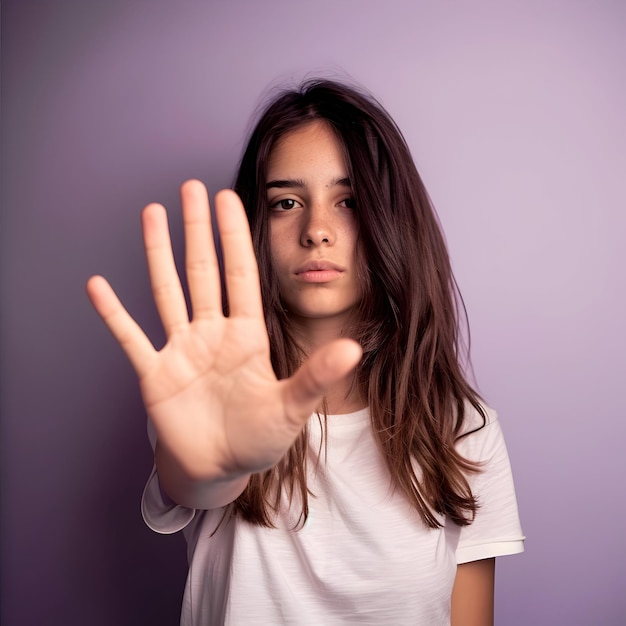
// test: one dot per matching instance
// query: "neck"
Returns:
(343, 398)
(313, 333)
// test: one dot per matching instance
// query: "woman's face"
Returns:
(313, 227)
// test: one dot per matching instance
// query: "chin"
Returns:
(317, 313)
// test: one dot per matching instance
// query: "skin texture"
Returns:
(312, 221)
(473, 594)
(313, 238)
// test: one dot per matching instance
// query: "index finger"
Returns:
(240, 265)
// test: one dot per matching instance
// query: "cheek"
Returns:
(350, 233)
(281, 248)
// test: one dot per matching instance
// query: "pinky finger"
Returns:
(130, 336)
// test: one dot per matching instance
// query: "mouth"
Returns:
(319, 272)
(318, 266)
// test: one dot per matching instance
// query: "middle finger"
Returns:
(201, 259)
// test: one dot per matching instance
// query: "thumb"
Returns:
(328, 365)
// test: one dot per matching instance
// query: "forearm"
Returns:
(196, 492)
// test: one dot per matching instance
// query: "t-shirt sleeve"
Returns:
(496, 529)
(159, 512)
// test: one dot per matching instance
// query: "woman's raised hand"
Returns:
(219, 412)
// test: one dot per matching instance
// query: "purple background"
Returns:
(514, 112)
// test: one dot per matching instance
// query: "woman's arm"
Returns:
(473, 594)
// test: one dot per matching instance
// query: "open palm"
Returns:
(219, 412)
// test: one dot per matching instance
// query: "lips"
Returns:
(319, 272)
(319, 266)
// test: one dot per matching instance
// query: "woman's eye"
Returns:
(348, 203)
(285, 205)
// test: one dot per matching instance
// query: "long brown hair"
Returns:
(408, 320)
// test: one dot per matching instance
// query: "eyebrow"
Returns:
(298, 183)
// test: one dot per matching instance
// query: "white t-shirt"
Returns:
(364, 555)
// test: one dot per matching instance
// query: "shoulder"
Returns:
(481, 437)
(496, 529)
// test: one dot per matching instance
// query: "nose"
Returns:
(318, 227)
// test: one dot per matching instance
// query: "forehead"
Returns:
(314, 147)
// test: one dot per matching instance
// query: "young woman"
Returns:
(314, 433)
